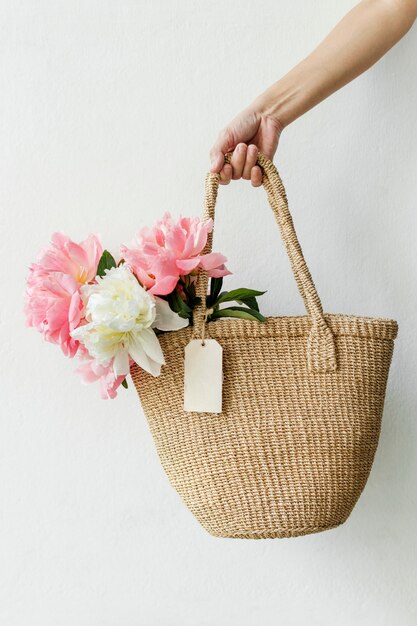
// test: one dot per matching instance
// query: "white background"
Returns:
(108, 111)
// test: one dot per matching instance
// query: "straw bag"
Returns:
(292, 449)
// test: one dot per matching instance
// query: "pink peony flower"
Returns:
(53, 303)
(91, 371)
(160, 255)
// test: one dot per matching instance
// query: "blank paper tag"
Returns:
(203, 376)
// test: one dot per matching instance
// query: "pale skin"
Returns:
(358, 41)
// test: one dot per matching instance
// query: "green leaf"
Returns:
(241, 312)
(193, 301)
(251, 302)
(106, 262)
(215, 287)
(124, 383)
(178, 305)
(239, 295)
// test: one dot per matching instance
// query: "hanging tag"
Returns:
(203, 376)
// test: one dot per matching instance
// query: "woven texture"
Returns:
(302, 404)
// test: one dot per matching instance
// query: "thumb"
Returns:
(224, 143)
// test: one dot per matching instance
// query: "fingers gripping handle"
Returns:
(320, 344)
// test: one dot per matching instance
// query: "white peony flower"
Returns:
(121, 316)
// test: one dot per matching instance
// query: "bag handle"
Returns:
(320, 344)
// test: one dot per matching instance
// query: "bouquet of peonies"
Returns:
(109, 313)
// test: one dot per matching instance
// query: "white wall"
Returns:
(108, 111)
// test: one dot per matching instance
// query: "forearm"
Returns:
(360, 39)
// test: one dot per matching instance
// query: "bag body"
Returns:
(303, 397)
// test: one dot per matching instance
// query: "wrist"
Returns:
(270, 104)
(288, 98)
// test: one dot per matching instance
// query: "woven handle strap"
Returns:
(320, 345)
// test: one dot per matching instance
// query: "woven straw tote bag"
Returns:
(292, 449)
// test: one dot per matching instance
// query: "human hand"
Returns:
(251, 131)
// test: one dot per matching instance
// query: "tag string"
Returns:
(203, 326)
(203, 334)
